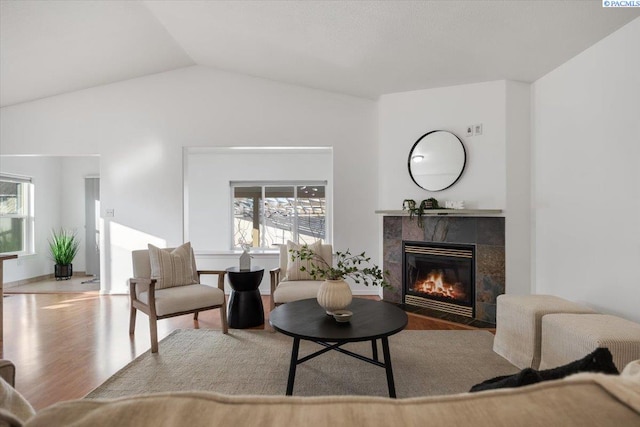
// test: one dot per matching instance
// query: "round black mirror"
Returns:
(436, 160)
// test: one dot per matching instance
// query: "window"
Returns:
(16, 214)
(267, 214)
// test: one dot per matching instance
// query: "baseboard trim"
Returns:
(8, 285)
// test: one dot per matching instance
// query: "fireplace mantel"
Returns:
(444, 212)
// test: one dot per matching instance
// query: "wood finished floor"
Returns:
(65, 345)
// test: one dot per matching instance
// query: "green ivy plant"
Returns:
(410, 205)
(355, 267)
(63, 246)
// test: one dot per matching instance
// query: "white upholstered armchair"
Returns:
(288, 283)
(166, 283)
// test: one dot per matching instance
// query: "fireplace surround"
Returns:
(485, 233)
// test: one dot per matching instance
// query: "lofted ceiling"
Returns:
(361, 48)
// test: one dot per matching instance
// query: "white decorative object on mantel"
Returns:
(454, 204)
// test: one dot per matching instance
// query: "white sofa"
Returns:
(580, 400)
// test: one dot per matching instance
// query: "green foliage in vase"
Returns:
(356, 267)
(63, 246)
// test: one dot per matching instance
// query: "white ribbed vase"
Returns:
(334, 295)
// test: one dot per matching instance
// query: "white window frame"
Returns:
(295, 185)
(28, 212)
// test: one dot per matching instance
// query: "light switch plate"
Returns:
(477, 129)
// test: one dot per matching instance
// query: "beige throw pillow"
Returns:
(293, 267)
(172, 268)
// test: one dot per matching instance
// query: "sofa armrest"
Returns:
(8, 372)
(15, 410)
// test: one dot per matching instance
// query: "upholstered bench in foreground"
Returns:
(578, 401)
(519, 325)
(567, 337)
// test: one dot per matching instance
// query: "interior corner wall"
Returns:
(518, 189)
(140, 126)
(586, 176)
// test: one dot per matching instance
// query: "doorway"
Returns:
(92, 228)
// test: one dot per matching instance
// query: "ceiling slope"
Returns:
(360, 48)
(52, 47)
(369, 48)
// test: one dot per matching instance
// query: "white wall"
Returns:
(59, 202)
(496, 175)
(405, 117)
(518, 186)
(586, 168)
(208, 176)
(139, 127)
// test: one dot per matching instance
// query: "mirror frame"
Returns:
(464, 159)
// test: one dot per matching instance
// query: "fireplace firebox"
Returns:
(439, 276)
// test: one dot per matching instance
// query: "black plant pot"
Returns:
(63, 272)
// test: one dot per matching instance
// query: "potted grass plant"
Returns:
(63, 248)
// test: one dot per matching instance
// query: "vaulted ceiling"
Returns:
(361, 48)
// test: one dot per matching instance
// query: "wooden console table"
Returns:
(2, 260)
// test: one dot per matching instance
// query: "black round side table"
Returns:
(245, 303)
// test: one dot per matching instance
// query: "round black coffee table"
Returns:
(245, 303)
(372, 320)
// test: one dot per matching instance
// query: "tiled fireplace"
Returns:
(439, 276)
(453, 268)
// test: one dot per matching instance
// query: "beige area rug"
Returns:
(424, 363)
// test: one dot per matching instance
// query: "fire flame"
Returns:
(434, 284)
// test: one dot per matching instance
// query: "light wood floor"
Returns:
(65, 345)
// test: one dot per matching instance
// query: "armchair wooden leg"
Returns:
(267, 325)
(195, 315)
(223, 318)
(153, 329)
(132, 320)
